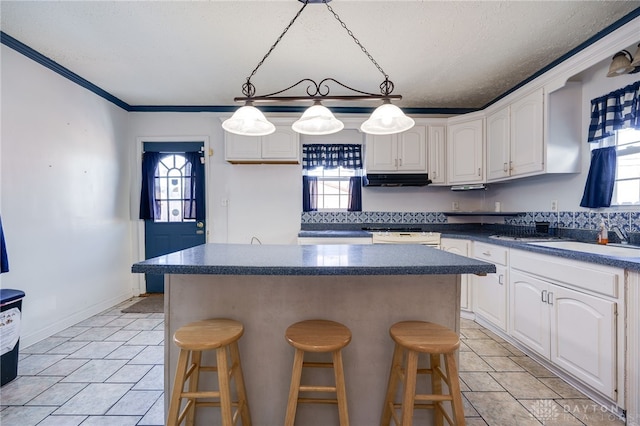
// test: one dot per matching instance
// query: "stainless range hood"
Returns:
(396, 179)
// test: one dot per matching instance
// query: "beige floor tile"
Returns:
(532, 366)
(523, 385)
(481, 382)
(501, 409)
(473, 333)
(487, 347)
(470, 361)
(562, 388)
(502, 363)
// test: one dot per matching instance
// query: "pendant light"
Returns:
(318, 119)
(248, 121)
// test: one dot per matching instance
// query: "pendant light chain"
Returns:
(335, 15)
(248, 88)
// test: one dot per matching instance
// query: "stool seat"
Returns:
(318, 336)
(208, 334)
(424, 337)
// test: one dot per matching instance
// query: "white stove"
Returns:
(431, 239)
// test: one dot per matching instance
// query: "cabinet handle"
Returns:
(479, 171)
(501, 279)
(550, 301)
(395, 162)
(400, 162)
(544, 296)
(504, 167)
(434, 175)
(510, 166)
(486, 253)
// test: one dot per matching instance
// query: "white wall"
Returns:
(64, 197)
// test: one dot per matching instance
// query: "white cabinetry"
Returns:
(460, 247)
(491, 291)
(282, 146)
(404, 152)
(556, 311)
(436, 155)
(465, 151)
(515, 142)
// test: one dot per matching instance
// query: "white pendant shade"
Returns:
(636, 61)
(621, 64)
(248, 121)
(386, 120)
(317, 120)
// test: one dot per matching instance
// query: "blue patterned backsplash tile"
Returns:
(580, 220)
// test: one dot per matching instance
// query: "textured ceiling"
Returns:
(439, 54)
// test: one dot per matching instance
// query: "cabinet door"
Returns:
(490, 297)
(382, 153)
(436, 154)
(412, 150)
(465, 152)
(460, 247)
(583, 337)
(527, 145)
(283, 144)
(529, 319)
(242, 147)
(498, 145)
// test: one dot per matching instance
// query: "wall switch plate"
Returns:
(554, 205)
(455, 206)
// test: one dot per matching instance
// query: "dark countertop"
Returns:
(631, 263)
(340, 259)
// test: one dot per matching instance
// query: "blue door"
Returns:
(172, 203)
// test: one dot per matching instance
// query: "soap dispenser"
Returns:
(603, 233)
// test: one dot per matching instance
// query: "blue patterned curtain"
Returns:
(355, 194)
(149, 207)
(331, 156)
(4, 259)
(193, 203)
(309, 193)
(602, 176)
(617, 110)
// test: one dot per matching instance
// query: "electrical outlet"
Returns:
(554, 205)
(455, 206)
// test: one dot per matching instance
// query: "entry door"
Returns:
(174, 226)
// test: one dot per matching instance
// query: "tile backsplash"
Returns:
(583, 220)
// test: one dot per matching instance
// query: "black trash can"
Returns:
(10, 317)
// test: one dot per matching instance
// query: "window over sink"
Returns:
(626, 190)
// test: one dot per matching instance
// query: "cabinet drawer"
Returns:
(599, 279)
(490, 253)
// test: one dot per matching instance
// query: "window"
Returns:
(331, 178)
(171, 180)
(626, 190)
(333, 187)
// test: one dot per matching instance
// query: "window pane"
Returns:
(627, 192)
(628, 166)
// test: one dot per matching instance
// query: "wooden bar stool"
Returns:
(317, 336)
(413, 338)
(221, 335)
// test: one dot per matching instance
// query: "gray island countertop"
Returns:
(244, 259)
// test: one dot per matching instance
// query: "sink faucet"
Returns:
(624, 238)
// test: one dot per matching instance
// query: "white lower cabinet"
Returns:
(460, 247)
(490, 291)
(576, 331)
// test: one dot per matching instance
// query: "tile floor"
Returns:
(108, 370)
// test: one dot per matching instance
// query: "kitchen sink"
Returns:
(606, 250)
(523, 238)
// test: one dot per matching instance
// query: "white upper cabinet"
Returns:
(404, 152)
(436, 155)
(515, 142)
(282, 146)
(465, 152)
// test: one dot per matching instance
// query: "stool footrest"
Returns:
(310, 388)
(317, 364)
(438, 398)
(317, 401)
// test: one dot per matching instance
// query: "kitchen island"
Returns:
(269, 287)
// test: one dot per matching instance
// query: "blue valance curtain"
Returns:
(617, 110)
(602, 176)
(331, 156)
